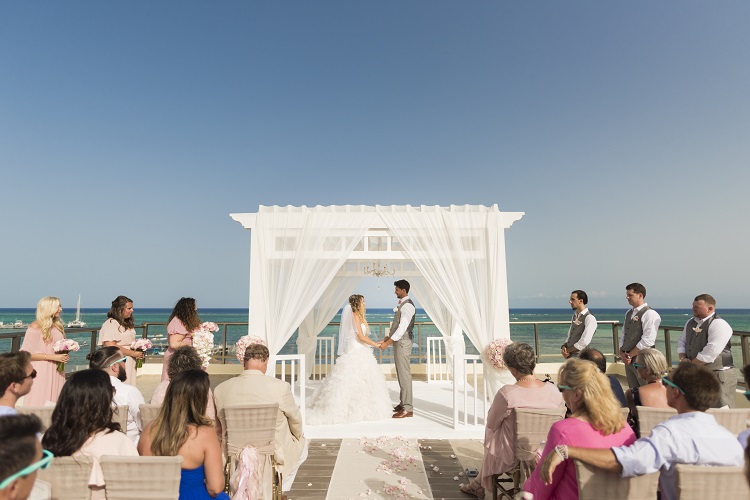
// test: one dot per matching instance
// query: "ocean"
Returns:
(550, 336)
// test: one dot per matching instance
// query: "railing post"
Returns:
(667, 347)
(93, 341)
(536, 343)
(615, 343)
(745, 349)
(224, 342)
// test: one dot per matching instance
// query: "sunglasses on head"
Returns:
(31, 375)
(561, 388)
(43, 463)
(666, 382)
(637, 365)
(124, 358)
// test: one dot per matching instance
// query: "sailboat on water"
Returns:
(77, 323)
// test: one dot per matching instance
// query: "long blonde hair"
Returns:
(184, 405)
(46, 309)
(598, 402)
(358, 308)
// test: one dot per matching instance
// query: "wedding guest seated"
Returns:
(21, 455)
(650, 365)
(82, 424)
(596, 356)
(595, 421)
(499, 433)
(112, 362)
(182, 428)
(185, 358)
(254, 387)
(16, 377)
(690, 437)
(743, 437)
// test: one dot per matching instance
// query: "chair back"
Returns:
(253, 425)
(43, 412)
(532, 427)
(142, 478)
(68, 477)
(732, 419)
(649, 417)
(148, 413)
(598, 484)
(120, 415)
(625, 411)
(704, 481)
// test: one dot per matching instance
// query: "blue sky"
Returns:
(130, 130)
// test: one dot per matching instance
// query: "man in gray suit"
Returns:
(400, 334)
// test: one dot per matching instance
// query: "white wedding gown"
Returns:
(354, 391)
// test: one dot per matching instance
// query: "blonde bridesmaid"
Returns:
(119, 330)
(39, 340)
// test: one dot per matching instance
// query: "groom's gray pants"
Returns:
(401, 355)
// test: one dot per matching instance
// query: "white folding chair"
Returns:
(68, 477)
(531, 429)
(732, 419)
(43, 412)
(253, 425)
(698, 482)
(120, 415)
(649, 417)
(598, 484)
(141, 478)
(149, 413)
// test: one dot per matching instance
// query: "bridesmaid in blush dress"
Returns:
(183, 321)
(39, 340)
(119, 331)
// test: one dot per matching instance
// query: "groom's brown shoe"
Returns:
(403, 414)
(398, 408)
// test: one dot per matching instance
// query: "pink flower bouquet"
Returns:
(495, 351)
(64, 346)
(243, 344)
(141, 345)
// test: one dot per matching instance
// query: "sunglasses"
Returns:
(637, 365)
(121, 360)
(31, 375)
(666, 382)
(561, 387)
(45, 461)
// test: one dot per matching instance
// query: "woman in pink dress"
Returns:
(499, 435)
(119, 331)
(183, 321)
(595, 422)
(39, 340)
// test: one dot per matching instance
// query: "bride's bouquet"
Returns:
(203, 341)
(64, 346)
(495, 350)
(141, 345)
(243, 344)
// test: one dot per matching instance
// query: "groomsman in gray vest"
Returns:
(582, 326)
(638, 332)
(707, 340)
(400, 335)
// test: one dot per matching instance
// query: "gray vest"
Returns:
(632, 331)
(397, 320)
(696, 341)
(576, 331)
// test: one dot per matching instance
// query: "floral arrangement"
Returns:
(65, 346)
(243, 344)
(495, 350)
(141, 345)
(203, 341)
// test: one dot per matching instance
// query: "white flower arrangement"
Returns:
(495, 350)
(243, 344)
(203, 342)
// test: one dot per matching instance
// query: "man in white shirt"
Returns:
(690, 437)
(706, 340)
(112, 361)
(16, 378)
(582, 326)
(639, 330)
(401, 335)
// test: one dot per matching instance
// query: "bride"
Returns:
(355, 390)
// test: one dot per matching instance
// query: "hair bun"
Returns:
(90, 356)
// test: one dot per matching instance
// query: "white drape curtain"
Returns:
(457, 250)
(300, 251)
(335, 296)
(440, 315)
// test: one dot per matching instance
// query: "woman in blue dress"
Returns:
(182, 428)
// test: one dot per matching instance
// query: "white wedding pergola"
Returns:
(306, 261)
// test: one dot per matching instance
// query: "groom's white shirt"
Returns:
(407, 313)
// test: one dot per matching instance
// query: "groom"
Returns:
(400, 334)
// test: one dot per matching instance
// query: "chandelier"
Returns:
(378, 271)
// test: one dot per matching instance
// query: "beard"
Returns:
(122, 375)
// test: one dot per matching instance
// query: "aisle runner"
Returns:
(379, 468)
